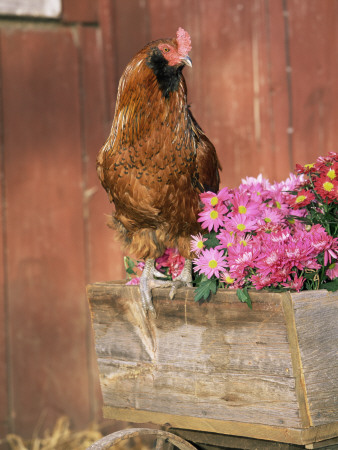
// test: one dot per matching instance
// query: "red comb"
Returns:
(183, 41)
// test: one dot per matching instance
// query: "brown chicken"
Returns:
(157, 160)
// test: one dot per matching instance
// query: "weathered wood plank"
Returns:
(313, 77)
(221, 441)
(296, 362)
(218, 361)
(5, 392)
(97, 209)
(211, 360)
(256, 431)
(79, 11)
(44, 234)
(317, 330)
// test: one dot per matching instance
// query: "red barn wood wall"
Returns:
(264, 88)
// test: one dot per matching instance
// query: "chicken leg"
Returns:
(152, 278)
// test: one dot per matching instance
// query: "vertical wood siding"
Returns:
(263, 87)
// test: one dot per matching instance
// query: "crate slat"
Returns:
(269, 370)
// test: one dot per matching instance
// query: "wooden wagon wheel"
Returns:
(164, 439)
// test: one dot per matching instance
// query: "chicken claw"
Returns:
(149, 280)
(183, 279)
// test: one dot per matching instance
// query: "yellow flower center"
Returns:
(242, 209)
(267, 220)
(212, 263)
(229, 280)
(328, 186)
(279, 206)
(300, 198)
(229, 244)
(243, 242)
(214, 201)
(309, 166)
(213, 214)
(331, 174)
(241, 227)
(200, 244)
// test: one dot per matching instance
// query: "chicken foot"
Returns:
(152, 278)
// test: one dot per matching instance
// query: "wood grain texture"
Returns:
(221, 441)
(307, 436)
(4, 370)
(317, 329)
(219, 360)
(95, 128)
(44, 228)
(313, 42)
(85, 11)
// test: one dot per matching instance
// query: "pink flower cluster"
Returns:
(255, 243)
(171, 264)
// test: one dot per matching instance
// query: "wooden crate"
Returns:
(266, 373)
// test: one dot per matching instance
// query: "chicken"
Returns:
(156, 161)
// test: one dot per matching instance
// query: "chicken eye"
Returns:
(166, 49)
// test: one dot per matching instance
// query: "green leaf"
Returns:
(205, 288)
(212, 240)
(129, 265)
(330, 286)
(244, 296)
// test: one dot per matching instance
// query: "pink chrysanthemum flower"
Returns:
(270, 258)
(245, 240)
(280, 235)
(242, 204)
(210, 262)
(256, 185)
(296, 283)
(240, 258)
(211, 200)
(212, 219)
(197, 243)
(298, 251)
(240, 223)
(227, 278)
(226, 239)
(225, 194)
(261, 242)
(322, 242)
(292, 183)
(279, 201)
(332, 271)
(134, 281)
(325, 161)
(171, 259)
(260, 281)
(270, 216)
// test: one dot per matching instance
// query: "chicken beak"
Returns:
(186, 60)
